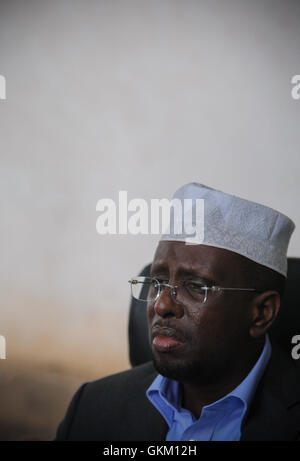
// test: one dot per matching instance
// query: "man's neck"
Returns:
(196, 394)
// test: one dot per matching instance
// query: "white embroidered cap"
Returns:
(255, 231)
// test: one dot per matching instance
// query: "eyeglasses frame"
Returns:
(173, 288)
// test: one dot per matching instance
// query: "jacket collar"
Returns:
(275, 410)
(274, 413)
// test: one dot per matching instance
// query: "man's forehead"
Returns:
(189, 258)
(213, 264)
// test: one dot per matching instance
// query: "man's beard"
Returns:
(205, 372)
(187, 371)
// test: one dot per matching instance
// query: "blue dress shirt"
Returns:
(221, 420)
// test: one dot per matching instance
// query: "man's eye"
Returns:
(195, 287)
(162, 280)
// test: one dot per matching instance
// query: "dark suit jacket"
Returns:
(116, 407)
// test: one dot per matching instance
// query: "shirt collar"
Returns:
(164, 393)
(246, 389)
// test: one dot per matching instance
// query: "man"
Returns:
(215, 374)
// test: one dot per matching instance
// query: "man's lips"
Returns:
(165, 339)
(164, 343)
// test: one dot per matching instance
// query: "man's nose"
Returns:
(165, 305)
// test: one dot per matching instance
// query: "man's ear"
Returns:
(264, 310)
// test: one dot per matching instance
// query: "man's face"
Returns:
(191, 340)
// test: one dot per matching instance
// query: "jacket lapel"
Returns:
(143, 421)
(153, 426)
(273, 415)
(275, 410)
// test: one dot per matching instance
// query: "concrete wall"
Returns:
(141, 96)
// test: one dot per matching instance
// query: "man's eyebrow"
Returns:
(208, 280)
(156, 267)
(186, 271)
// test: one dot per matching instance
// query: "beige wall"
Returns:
(105, 96)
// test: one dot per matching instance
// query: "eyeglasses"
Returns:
(149, 289)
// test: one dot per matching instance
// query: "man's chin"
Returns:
(175, 369)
